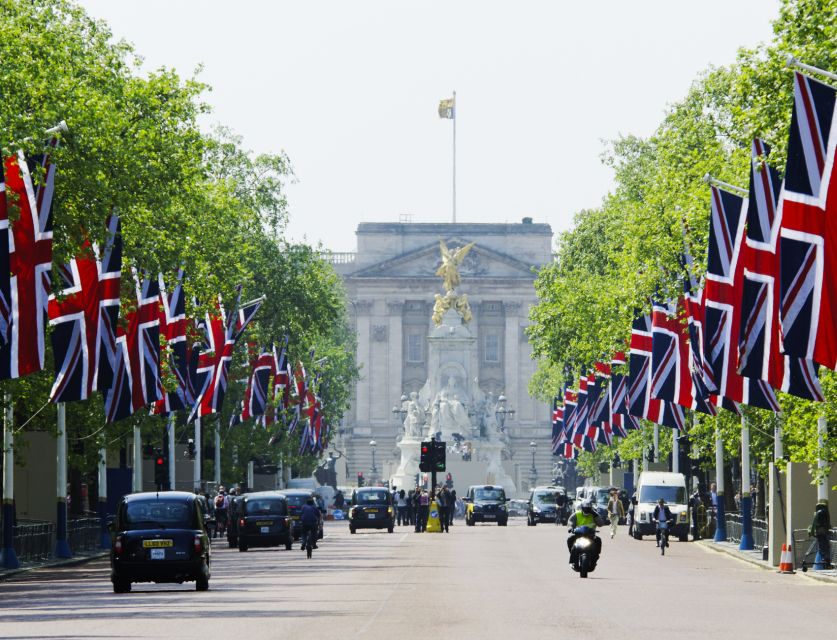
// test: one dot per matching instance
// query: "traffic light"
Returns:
(426, 459)
(161, 470)
(360, 481)
(439, 456)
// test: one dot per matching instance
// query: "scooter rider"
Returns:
(586, 516)
(661, 514)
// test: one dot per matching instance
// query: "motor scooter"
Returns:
(584, 553)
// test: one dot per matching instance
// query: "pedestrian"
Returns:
(695, 503)
(401, 506)
(443, 501)
(339, 500)
(424, 511)
(821, 529)
(615, 511)
(632, 514)
(452, 507)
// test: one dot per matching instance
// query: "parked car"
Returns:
(263, 521)
(371, 508)
(159, 537)
(518, 508)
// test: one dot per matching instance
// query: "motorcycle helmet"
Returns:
(587, 506)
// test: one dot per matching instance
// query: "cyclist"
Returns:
(662, 514)
(309, 517)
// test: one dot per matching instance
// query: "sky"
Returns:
(350, 91)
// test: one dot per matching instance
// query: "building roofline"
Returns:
(448, 228)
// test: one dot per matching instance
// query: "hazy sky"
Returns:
(349, 90)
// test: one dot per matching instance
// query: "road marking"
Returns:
(403, 538)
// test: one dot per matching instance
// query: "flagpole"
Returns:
(218, 452)
(196, 469)
(137, 475)
(454, 157)
(62, 545)
(170, 428)
(10, 560)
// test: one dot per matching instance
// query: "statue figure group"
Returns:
(449, 272)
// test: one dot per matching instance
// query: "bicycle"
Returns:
(309, 540)
(663, 529)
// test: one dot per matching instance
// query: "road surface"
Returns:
(476, 582)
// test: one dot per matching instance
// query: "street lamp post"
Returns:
(374, 471)
(501, 413)
(533, 472)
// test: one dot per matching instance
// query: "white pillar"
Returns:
(635, 471)
(218, 453)
(675, 451)
(822, 485)
(656, 442)
(778, 449)
(745, 458)
(250, 470)
(170, 427)
(61, 454)
(137, 475)
(196, 476)
(103, 475)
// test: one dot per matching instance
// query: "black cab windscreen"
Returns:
(158, 514)
(372, 497)
(265, 507)
(544, 497)
(489, 494)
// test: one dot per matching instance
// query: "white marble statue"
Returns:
(416, 417)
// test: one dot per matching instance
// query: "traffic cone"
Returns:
(786, 561)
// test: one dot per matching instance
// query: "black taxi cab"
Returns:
(159, 537)
(296, 500)
(263, 521)
(232, 520)
(371, 508)
(486, 503)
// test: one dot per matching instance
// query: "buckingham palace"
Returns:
(391, 283)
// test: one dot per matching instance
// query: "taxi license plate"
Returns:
(371, 516)
(265, 529)
(264, 523)
(156, 544)
(158, 554)
(488, 515)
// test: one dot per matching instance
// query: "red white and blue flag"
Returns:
(723, 294)
(759, 337)
(808, 218)
(173, 326)
(258, 386)
(30, 263)
(621, 420)
(641, 402)
(557, 426)
(83, 318)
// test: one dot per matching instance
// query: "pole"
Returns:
(820, 563)
(746, 543)
(62, 544)
(137, 475)
(103, 499)
(218, 453)
(675, 452)
(250, 470)
(635, 473)
(170, 429)
(10, 560)
(454, 157)
(720, 517)
(778, 449)
(196, 474)
(656, 442)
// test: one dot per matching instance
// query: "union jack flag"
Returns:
(641, 402)
(136, 379)
(258, 384)
(621, 420)
(808, 207)
(759, 338)
(557, 426)
(30, 263)
(5, 282)
(600, 403)
(585, 434)
(173, 324)
(723, 295)
(82, 332)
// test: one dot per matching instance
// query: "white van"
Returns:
(671, 487)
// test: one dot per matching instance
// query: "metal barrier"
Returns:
(34, 540)
(734, 527)
(805, 548)
(84, 534)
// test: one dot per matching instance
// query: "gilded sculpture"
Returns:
(449, 273)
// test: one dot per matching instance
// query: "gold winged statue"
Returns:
(450, 261)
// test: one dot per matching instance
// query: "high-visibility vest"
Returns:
(585, 519)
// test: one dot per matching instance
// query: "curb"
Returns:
(811, 575)
(5, 574)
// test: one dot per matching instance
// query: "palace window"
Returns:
(492, 348)
(415, 350)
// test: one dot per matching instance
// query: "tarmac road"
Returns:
(476, 582)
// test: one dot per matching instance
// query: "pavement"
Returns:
(475, 582)
(754, 558)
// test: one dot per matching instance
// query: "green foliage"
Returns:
(617, 255)
(185, 199)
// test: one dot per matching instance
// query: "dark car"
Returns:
(296, 500)
(542, 506)
(159, 537)
(232, 520)
(263, 521)
(486, 503)
(371, 508)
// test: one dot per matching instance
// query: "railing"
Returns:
(34, 540)
(84, 534)
(341, 257)
(734, 527)
(805, 548)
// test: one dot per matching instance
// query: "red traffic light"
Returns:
(424, 449)
(160, 461)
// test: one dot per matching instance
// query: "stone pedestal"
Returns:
(405, 475)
